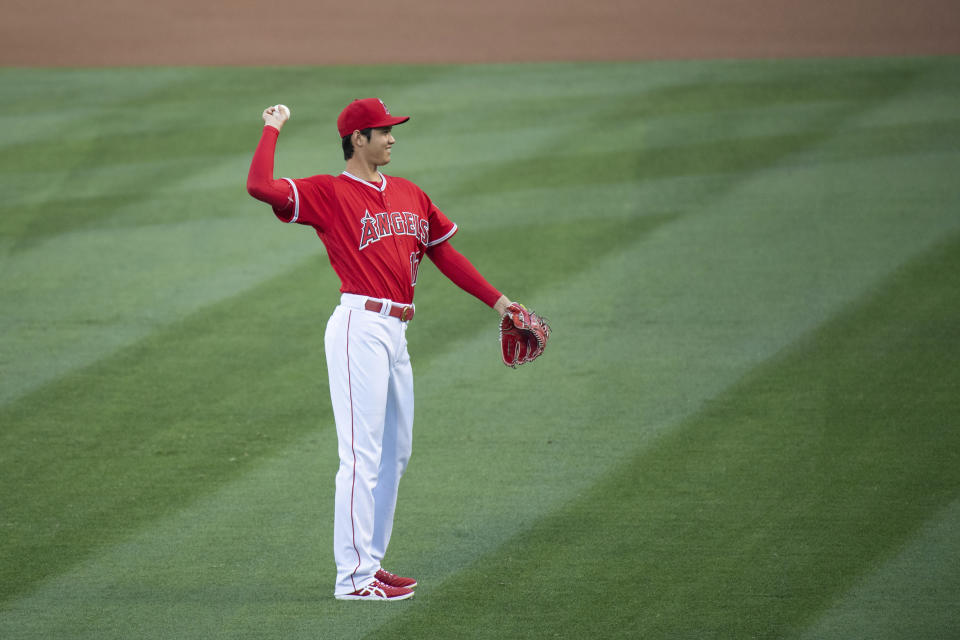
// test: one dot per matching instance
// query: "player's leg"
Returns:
(397, 446)
(358, 369)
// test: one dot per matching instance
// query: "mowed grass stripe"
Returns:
(248, 559)
(912, 595)
(84, 295)
(758, 512)
(96, 454)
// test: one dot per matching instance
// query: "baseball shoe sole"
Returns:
(379, 592)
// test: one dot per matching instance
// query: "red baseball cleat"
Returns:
(392, 580)
(377, 590)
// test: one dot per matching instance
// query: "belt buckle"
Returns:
(403, 314)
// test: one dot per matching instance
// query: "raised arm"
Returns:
(260, 182)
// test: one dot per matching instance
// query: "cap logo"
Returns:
(366, 114)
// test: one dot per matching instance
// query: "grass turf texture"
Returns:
(744, 426)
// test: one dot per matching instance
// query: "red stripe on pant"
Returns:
(353, 484)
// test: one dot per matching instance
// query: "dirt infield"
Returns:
(248, 32)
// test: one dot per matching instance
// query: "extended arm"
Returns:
(462, 273)
(523, 333)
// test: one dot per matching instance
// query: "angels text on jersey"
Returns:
(396, 223)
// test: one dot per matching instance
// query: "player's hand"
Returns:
(500, 306)
(275, 117)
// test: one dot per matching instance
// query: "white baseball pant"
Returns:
(371, 389)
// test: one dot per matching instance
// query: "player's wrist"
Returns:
(500, 306)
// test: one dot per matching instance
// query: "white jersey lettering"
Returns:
(373, 227)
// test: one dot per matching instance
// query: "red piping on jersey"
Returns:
(353, 484)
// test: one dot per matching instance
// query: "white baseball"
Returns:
(284, 110)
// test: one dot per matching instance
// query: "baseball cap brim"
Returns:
(390, 122)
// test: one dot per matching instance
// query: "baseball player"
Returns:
(376, 230)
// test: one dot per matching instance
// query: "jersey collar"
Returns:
(381, 187)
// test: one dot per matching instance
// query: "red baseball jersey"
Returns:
(375, 235)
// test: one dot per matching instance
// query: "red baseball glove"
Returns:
(523, 335)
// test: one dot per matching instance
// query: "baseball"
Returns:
(283, 110)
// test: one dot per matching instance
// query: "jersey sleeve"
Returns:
(312, 198)
(441, 228)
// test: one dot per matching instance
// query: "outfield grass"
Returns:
(744, 426)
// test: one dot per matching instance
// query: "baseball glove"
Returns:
(523, 335)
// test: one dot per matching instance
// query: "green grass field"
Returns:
(745, 425)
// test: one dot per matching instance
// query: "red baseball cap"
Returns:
(369, 113)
